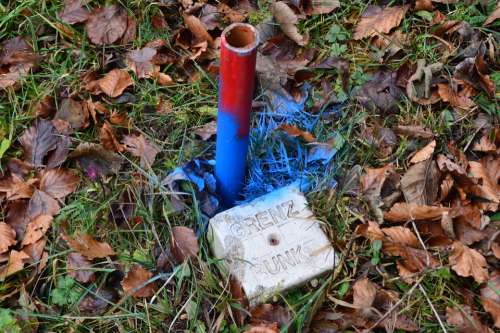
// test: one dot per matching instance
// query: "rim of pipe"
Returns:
(240, 38)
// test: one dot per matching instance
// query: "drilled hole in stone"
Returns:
(273, 240)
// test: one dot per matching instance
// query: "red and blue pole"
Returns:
(239, 43)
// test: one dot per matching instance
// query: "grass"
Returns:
(196, 293)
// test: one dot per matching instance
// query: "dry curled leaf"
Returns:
(59, 183)
(87, 246)
(198, 30)
(376, 19)
(73, 12)
(106, 25)
(288, 21)
(424, 153)
(115, 82)
(315, 7)
(465, 320)
(79, 268)
(485, 145)
(7, 237)
(269, 314)
(294, 131)
(184, 243)
(135, 282)
(460, 100)
(403, 212)
(36, 229)
(401, 235)
(108, 138)
(468, 262)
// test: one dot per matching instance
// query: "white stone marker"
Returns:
(271, 244)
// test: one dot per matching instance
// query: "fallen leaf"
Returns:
(87, 246)
(45, 108)
(16, 60)
(403, 212)
(130, 32)
(122, 211)
(381, 92)
(79, 268)
(364, 292)
(456, 100)
(42, 204)
(7, 237)
(468, 262)
(270, 314)
(465, 320)
(207, 131)
(370, 230)
(115, 82)
(36, 229)
(418, 86)
(376, 19)
(108, 138)
(198, 29)
(93, 305)
(18, 167)
(420, 184)
(424, 153)
(294, 131)
(490, 297)
(141, 62)
(487, 170)
(485, 145)
(15, 264)
(58, 183)
(230, 14)
(139, 147)
(38, 140)
(495, 15)
(158, 22)
(135, 281)
(15, 187)
(106, 25)
(73, 12)
(35, 250)
(263, 328)
(465, 233)
(184, 243)
(288, 20)
(17, 217)
(96, 160)
(414, 132)
(401, 235)
(72, 112)
(316, 7)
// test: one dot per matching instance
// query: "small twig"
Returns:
(433, 308)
